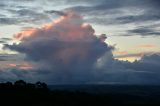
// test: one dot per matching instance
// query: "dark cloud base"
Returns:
(143, 72)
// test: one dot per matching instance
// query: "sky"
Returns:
(80, 42)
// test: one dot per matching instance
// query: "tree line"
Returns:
(22, 85)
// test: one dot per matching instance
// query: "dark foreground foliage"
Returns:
(26, 94)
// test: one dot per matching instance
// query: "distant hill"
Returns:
(22, 93)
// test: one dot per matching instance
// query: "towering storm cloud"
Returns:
(68, 46)
(66, 40)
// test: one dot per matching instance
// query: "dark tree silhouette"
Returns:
(30, 86)
(20, 83)
(40, 85)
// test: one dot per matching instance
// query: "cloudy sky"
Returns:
(80, 42)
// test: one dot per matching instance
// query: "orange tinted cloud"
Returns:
(66, 28)
(147, 46)
(24, 34)
(121, 52)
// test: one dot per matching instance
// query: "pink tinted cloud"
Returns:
(23, 66)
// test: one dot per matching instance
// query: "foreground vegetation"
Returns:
(21, 93)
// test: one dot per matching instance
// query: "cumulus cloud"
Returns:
(143, 71)
(68, 45)
(68, 51)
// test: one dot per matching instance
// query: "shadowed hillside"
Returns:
(21, 93)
